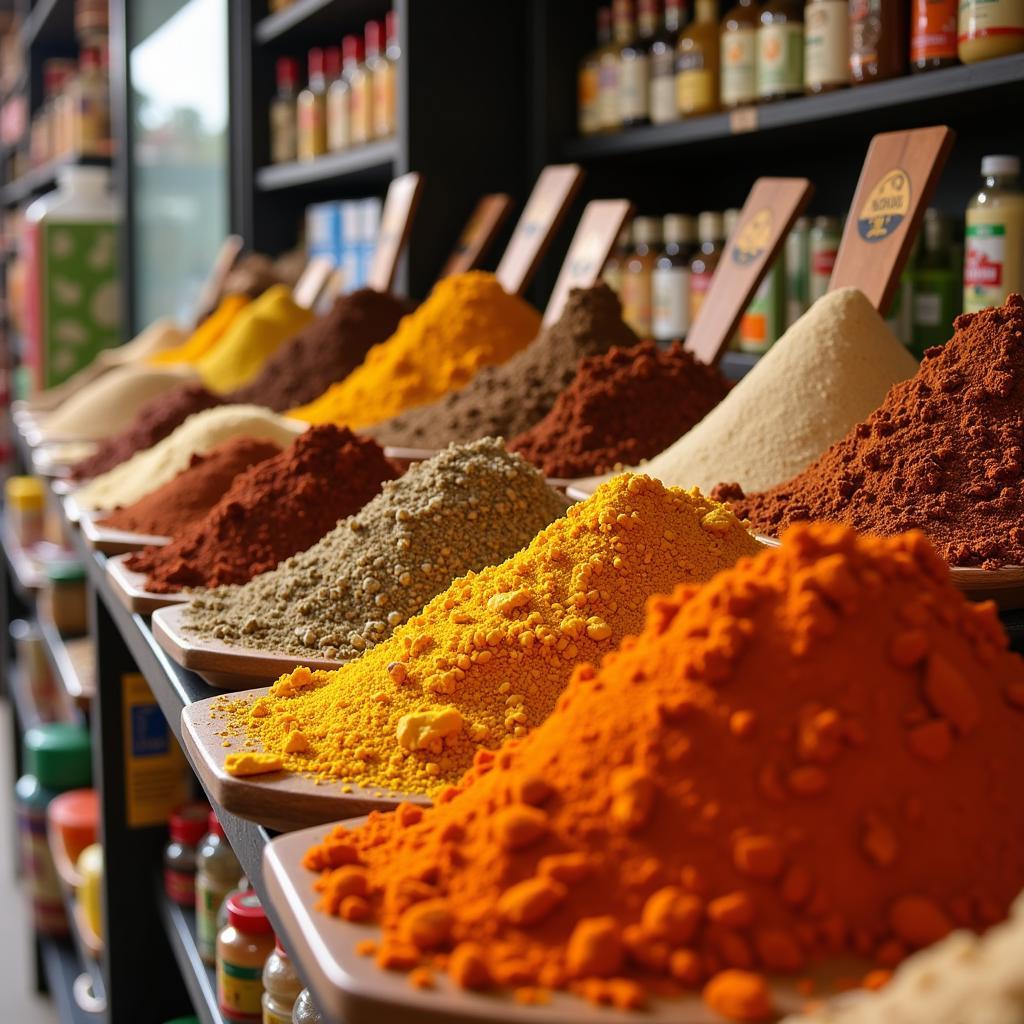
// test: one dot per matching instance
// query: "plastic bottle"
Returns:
(281, 987)
(187, 825)
(698, 61)
(932, 34)
(935, 279)
(283, 117)
(670, 280)
(306, 1011)
(989, 28)
(780, 50)
(711, 232)
(217, 874)
(242, 950)
(636, 275)
(738, 59)
(826, 45)
(994, 241)
(70, 236)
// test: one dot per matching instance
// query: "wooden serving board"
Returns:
(352, 989)
(222, 664)
(130, 588)
(110, 541)
(281, 800)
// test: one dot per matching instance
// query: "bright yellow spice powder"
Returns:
(468, 322)
(488, 658)
(206, 335)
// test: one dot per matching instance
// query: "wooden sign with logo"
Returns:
(395, 225)
(896, 183)
(768, 214)
(227, 256)
(480, 231)
(599, 227)
(547, 206)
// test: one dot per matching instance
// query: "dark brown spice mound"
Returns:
(503, 401)
(623, 406)
(326, 352)
(944, 453)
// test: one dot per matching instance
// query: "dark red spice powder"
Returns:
(623, 406)
(194, 491)
(944, 453)
(271, 512)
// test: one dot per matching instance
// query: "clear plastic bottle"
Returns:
(306, 1011)
(217, 874)
(281, 987)
(994, 243)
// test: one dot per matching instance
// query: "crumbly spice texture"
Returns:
(944, 453)
(621, 408)
(271, 512)
(156, 420)
(467, 507)
(817, 753)
(193, 492)
(488, 658)
(327, 351)
(467, 322)
(503, 401)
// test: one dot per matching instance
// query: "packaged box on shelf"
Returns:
(345, 232)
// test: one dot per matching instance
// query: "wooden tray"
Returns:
(111, 541)
(130, 587)
(282, 800)
(226, 665)
(351, 988)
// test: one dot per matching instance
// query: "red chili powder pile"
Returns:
(194, 491)
(623, 406)
(944, 453)
(817, 753)
(272, 511)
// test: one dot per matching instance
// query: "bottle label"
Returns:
(634, 83)
(208, 903)
(739, 66)
(588, 99)
(865, 32)
(823, 259)
(384, 100)
(984, 264)
(608, 91)
(827, 43)
(780, 59)
(180, 887)
(240, 992)
(696, 91)
(990, 18)
(759, 326)
(933, 34)
(283, 135)
(636, 302)
(663, 98)
(670, 303)
(699, 285)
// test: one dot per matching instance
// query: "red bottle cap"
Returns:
(315, 63)
(246, 914)
(188, 823)
(391, 27)
(287, 72)
(89, 60)
(332, 62)
(213, 825)
(374, 38)
(351, 50)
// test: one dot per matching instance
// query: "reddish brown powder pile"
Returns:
(272, 511)
(327, 351)
(944, 453)
(623, 406)
(155, 421)
(194, 491)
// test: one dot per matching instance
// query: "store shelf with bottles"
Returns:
(370, 167)
(200, 980)
(311, 21)
(42, 178)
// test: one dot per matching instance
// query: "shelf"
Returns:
(317, 21)
(24, 706)
(63, 973)
(200, 980)
(949, 94)
(28, 580)
(72, 660)
(372, 164)
(41, 178)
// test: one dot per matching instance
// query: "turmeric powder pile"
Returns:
(488, 658)
(468, 322)
(817, 753)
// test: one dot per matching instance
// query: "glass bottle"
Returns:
(989, 28)
(187, 826)
(608, 76)
(670, 280)
(217, 874)
(824, 247)
(361, 99)
(780, 50)
(385, 78)
(242, 950)
(91, 92)
(588, 93)
(311, 109)
(636, 275)
(711, 232)
(634, 70)
(339, 98)
(878, 40)
(739, 54)
(826, 45)
(663, 65)
(933, 34)
(281, 987)
(612, 273)
(376, 64)
(994, 242)
(697, 63)
(305, 1011)
(283, 115)
(935, 284)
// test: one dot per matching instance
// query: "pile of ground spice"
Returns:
(488, 658)
(468, 507)
(326, 351)
(270, 512)
(505, 400)
(817, 753)
(944, 453)
(467, 322)
(622, 407)
(155, 421)
(177, 505)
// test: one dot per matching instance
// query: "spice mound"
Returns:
(828, 371)
(270, 512)
(158, 418)
(817, 753)
(193, 492)
(944, 453)
(468, 322)
(147, 470)
(622, 407)
(508, 399)
(328, 350)
(488, 658)
(467, 507)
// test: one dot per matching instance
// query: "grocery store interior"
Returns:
(512, 511)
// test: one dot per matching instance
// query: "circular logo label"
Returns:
(886, 207)
(752, 238)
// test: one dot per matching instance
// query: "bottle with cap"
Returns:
(242, 950)
(376, 64)
(670, 280)
(90, 92)
(339, 98)
(780, 50)
(26, 508)
(989, 28)
(283, 116)
(281, 987)
(935, 282)
(187, 826)
(311, 107)
(217, 874)
(933, 34)
(738, 58)
(698, 63)
(588, 79)
(636, 275)
(826, 45)
(361, 98)
(994, 238)
(711, 234)
(663, 64)
(384, 104)
(634, 68)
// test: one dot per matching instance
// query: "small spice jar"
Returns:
(187, 825)
(242, 950)
(26, 509)
(305, 1011)
(67, 597)
(217, 874)
(281, 987)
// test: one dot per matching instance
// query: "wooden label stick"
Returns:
(312, 282)
(599, 227)
(768, 214)
(548, 204)
(395, 225)
(898, 178)
(479, 233)
(226, 258)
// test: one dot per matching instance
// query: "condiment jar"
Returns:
(989, 28)
(26, 509)
(281, 987)
(242, 950)
(187, 825)
(306, 1011)
(72, 821)
(66, 596)
(217, 874)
